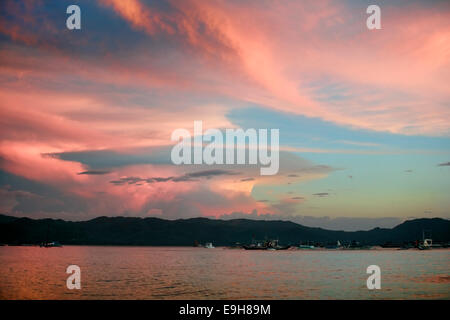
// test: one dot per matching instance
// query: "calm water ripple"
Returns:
(197, 273)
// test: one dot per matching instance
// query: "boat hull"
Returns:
(265, 248)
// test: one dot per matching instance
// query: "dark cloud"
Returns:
(408, 171)
(22, 197)
(247, 179)
(150, 180)
(128, 180)
(34, 198)
(95, 172)
(193, 176)
(297, 198)
(210, 173)
(445, 164)
(321, 194)
(290, 164)
(98, 159)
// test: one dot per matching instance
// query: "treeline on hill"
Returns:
(183, 232)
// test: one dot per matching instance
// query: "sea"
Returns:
(113, 272)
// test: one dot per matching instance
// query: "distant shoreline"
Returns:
(375, 248)
(125, 231)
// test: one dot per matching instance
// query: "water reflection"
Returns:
(197, 273)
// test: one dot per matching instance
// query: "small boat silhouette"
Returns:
(50, 244)
(267, 245)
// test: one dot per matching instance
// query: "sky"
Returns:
(86, 116)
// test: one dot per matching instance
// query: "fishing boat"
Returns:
(306, 246)
(355, 245)
(254, 247)
(426, 243)
(266, 245)
(209, 245)
(237, 245)
(50, 244)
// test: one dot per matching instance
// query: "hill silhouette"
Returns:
(183, 232)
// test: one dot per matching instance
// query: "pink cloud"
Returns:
(283, 55)
(288, 45)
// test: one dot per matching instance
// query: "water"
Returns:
(199, 273)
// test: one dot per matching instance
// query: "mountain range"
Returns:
(183, 232)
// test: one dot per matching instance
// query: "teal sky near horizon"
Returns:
(376, 174)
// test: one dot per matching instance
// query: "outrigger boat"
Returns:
(306, 246)
(49, 244)
(209, 245)
(426, 244)
(355, 245)
(266, 245)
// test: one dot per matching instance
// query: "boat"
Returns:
(255, 246)
(237, 245)
(355, 245)
(282, 247)
(47, 243)
(305, 247)
(266, 245)
(209, 245)
(426, 243)
(50, 244)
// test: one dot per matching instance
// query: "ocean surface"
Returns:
(221, 273)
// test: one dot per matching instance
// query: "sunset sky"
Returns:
(86, 115)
